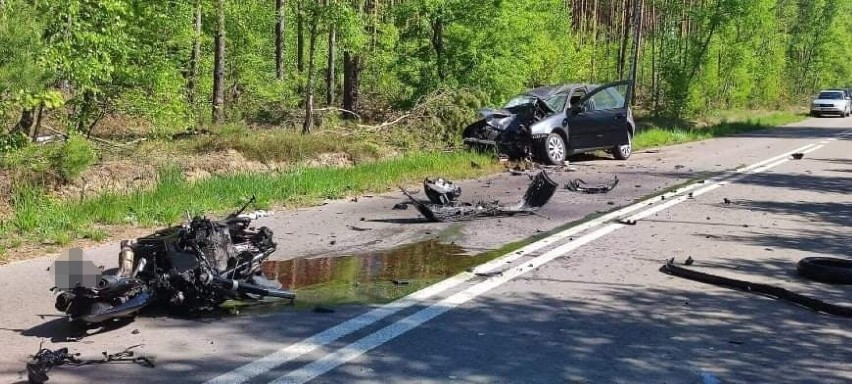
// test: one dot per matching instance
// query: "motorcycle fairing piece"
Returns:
(190, 267)
(578, 185)
(538, 193)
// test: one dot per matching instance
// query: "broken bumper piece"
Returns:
(538, 193)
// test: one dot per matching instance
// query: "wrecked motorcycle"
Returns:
(191, 267)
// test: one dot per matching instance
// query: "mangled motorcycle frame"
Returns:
(190, 267)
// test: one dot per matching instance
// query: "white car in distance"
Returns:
(832, 101)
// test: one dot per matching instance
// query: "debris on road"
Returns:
(798, 155)
(765, 289)
(726, 200)
(830, 270)
(45, 360)
(578, 185)
(538, 193)
(400, 206)
(689, 261)
(359, 229)
(441, 191)
(626, 221)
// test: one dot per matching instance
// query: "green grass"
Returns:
(290, 146)
(656, 136)
(39, 218)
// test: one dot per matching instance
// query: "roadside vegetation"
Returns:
(660, 132)
(118, 113)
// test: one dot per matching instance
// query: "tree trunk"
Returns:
(192, 82)
(26, 122)
(309, 92)
(330, 66)
(438, 46)
(279, 38)
(300, 37)
(219, 65)
(351, 86)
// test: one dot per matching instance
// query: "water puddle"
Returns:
(372, 277)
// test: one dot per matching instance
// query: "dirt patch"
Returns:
(338, 159)
(224, 162)
(6, 192)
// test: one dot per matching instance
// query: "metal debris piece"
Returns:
(538, 193)
(764, 289)
(578, 185)
(45, 360)
(441, 191)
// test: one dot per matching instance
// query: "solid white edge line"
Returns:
(264, 364)
(269, 362)
(369, 342)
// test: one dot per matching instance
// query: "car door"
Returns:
(582, 121)
(602, 120)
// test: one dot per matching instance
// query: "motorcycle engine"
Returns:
(214, 240)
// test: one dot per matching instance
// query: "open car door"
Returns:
(600, 119)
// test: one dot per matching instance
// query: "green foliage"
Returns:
(72, 158)
(12, 141)
(49, 164)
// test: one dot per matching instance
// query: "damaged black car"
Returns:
(550, 123)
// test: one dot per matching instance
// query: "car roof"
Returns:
(550, 90)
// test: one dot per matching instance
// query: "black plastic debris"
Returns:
(538, 193)
(578, 185)
(400, 206)
(798, 155)
(441, 191)
(763, 289)
(45, 360)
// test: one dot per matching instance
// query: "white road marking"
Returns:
(354, 350)
(269, 362)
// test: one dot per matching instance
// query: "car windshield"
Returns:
(520, 100)
(555, 102)
(830, 95)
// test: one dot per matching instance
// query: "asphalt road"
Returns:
(582, 307)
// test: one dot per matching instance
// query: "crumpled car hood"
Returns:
(497, 118)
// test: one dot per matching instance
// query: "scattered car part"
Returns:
(764, 289)
(829, 270)
(441, 191)
(45, 360)
(798, 155)
(538, 193)
(190, 267)
(578, 185)
(400, 206)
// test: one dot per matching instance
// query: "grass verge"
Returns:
(657, 134)
(40, 219)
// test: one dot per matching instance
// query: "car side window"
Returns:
(604, 100)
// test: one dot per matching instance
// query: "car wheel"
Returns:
(622, 152)
(553, 149)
